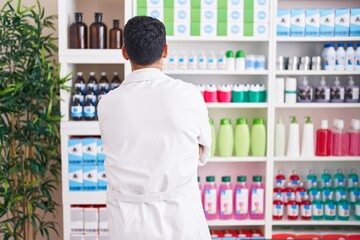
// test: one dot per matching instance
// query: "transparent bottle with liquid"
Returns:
(257, 197)
(210, 198)
(343, 209)
(79, 84)
(193, 61)
(330, 209)
(116, 35)
(76, 110)
(98, 33)
(310, 179)
(92, 83)
(116, 81)
(78, 33)
(339, 177)
(104, 83)
(352, 177)
(317, 207)
(241, 199)
(225, 198)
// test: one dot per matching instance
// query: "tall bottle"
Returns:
(104, 82)
(340, 58)
(89, 110)
(339, 177)
(213, 137)
(242, 138)
(116, 81)
(294, 179)
(241, 198)
(79, 84)
(324, 54)
(293, 148)
(78, 33)
(278, 208)
(351, 91)
(357, 58)
(98, 33)
(225, 198)
(354, 138)
(257, 198)
(343, 208)
(305, 92)
(76, 110)
(307, 147)
(225, 138)
(240, 61)
(258, 138)
(305, 208)
(317, 207)
(292, 209)
(350, 58)
(330, 209)
(352, 177)
(280, 178)
(92, 83)
(280, 139)
(340, 140)
(116, 35)
(310, 179)
(323, 140)
(330, 58)
(210, 198)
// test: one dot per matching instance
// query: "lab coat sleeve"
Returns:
(205, 133)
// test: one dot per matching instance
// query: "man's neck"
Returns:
(157, 65)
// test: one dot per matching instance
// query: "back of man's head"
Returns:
(144, 40)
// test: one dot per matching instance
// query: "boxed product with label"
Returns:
(261, 30)
(101, 177)
(91, 219)
(103, 223)
(75, 177)
(235, 15)
(152, 3)
(327, 22)
(90, 176)
(261, 15)
(283, 23)
(235, 4)
(75, 151)
(260, 3)
(157, 13)
(355, 22)
(342, 22)
(209, 4)
(235, 29)
(182, 15)
(77, 219)
(297, 28)
(100, 151)
(208, 29)
(312, 23)
(181, 3)
(89, 150)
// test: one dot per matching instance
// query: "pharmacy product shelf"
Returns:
(80, 128)
(233, 222)
(236, 105)
(319, 105)
(92, 56)
(236, 159)
(351, 222)
(217, 72)
(318, 39)
(316, 73)
(315, 159)
(216, 39)
(89, 198)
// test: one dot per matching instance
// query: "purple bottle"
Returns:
(337, 92)
(322, 92)
(351, 92)
(305, 92)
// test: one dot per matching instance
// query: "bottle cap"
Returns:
(337, 82)
(308, 120)
(98, 14)
(293, 121)
(225, 121)
(116, 73)
(353, 170)
(324, 124)
(80, 74)
(339, 170)
(116, 22)
(351, 81)
(210, 179)
(240, 121)
(305, 81)
(356, 125)
(240, 54)
(331, 44)
(340, 45)
(257, 178)
(340, 124)
(280, 171)
(241, 178)
(92, 73)
(103, 73)
(258, 121)
(198, 179)
(230, 54)
(211, 121)
(225, 178)
(350, 45)
(326, 170)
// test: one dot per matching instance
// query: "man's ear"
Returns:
(124, 53)
(165, 51)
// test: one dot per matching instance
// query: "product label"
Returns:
(202, 63)
(352, 93)
(80, 86)
(76, 111)
(327, 193)
(313, 194)
(278, 210)
(221, 63)
(343, 210)
(92, 86)
(104, 86)
(357, 210)
(89, 111)
(257, 204)
(292, 210)
(330, 210)
(91, 98)
(288, 196)
(300, 196)
(226, 202)
(210, 202)
(242, 201)
(317, 209)
(280, 195)
(281, 182)
(354, 195)
(305, 211)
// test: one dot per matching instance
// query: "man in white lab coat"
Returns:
(154, 127)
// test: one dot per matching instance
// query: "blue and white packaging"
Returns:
(155, 3)
(75, 177)
(235, 4)
(157, 13)
(297, 28)
(327, 22)
(100, 151)
(342, 22)
(261, 15)
(283, 23)
(261, 4)
(182, 22)
(89, 150)
(101, 178)
(182, 4)
(235, 15)
(182, 15)
(235, 29)
(261, 29)
(355, 22)
(75, 151)
(90, 177)
(312, 23)
(208, 4)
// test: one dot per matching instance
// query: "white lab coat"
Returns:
(151, 127)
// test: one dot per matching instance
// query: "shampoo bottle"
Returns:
(225, 138)
(323, 140)
(293, 148)
(241, 199)
(242, 138)
(225, 198)
(351, 92)
(354, 138)
(307, 147)
(258, 138)
(257, 197)
(337, 92)
(280, 139)
(210, 198)
(322, 92)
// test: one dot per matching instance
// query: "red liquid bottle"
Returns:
(300, 193)
(278, 191)
(280, 178)
(305, 208)
(289, 193)
(294, 179)
(292, 209)
(323, 140)
(278, 209)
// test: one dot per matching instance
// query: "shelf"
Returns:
(233, 222)
(318, 105)
(216, 39)
(236, 159)
(317, 73)
(236, 105)
(87, 56)
(89, 198)
(80, 128)
(317, 39)
(320, 159)
(351, 222)
(217, 72)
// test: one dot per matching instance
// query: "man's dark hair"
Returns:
(144, 39)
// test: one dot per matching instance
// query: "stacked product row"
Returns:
(288, 91)
(233, 93)
(88, 222)
(240, 202)
(212, 61)
(86, 95)
(78, 34)
(329, 233)
(331, 200)
(240, 141)
(86, 165)
(334, 142)
(318, 22)
(231, 234)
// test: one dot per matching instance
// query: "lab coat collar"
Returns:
(144, 74)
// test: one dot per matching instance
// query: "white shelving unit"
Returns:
(272, 46)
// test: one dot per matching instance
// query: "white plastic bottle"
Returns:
(240, 61)
(193, 61)
(221, 61)
(172, 62)
(212, 61)
(330, 58)
(340, 58)
(202, 60)
(293, 148)
(307, 147)
(230, 60)
(323, 55)
(357, 58)
(350, 58)
(182, 61)
(280, 139)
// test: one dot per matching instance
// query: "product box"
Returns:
(75, 177)
(77, 236)
(157, 13)
(312, 23)
(235, 15)
(100, 151)
(77, 219)
(235, 4)
(235, 29)
(208, 29)
(355, 22)
(182, 4)
(103, 223)
(75, 151)
(327, 22)
(91, 220)
(261, 15)
(89, 150)
(101, 178)
(91, 236)
(90, 176)
(342, 22)
(209, 4)
(297, 28)
(182, 29)
(209, 15)
(283, 23)
(182, 15)
(261, 30)
(152, 3)
(260, 3)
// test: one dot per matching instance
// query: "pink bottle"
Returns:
(201, 88)
(210, 198)
(241, 199)
(210, 93)
(354, 138)
(294, 179)
(280, 178)
(224, 93)
(289, 193)
(278, 192)
(323, 140)
(226, 197)
(257, 198)
(300, 193)
(340, 140)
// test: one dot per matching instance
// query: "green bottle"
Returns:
(327, 191)
(357, 209)
(352, 177)
(314, 191)
(242, 138)
(330, 209)
(225, 138)
(339, 177)
(339, 191)
(343, 209)
(325, 177)
(354, 193)
(310, 179)
(317, 208)
(213, 136)
(258, 138)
